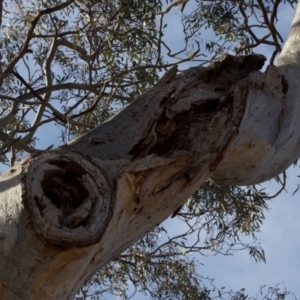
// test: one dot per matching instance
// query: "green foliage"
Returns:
(86, 61)
(237, 26)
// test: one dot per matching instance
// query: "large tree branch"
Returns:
(132, 173)
(77, 207)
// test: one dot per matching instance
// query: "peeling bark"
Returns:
(77, 207)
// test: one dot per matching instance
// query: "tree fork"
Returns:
(76, 208)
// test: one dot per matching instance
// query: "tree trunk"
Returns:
(67, 212)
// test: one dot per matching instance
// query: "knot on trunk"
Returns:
(68, 197)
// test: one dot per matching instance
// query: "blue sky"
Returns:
(280, 240)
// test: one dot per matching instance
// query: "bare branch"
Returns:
(24, 48)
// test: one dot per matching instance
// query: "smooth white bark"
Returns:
(269, 138)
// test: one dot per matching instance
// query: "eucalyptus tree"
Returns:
(131, 152)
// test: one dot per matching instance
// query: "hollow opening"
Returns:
(64, 186)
